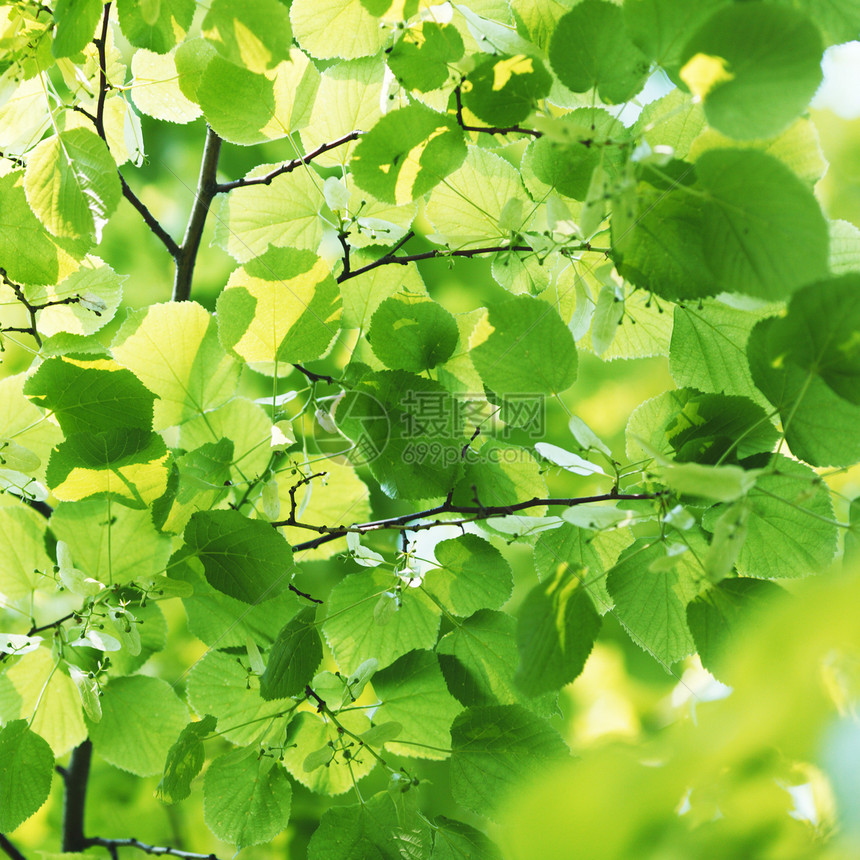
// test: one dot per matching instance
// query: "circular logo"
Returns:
(355, 429)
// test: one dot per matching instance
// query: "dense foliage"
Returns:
(336, 476)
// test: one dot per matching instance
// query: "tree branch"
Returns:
(98, 120)
(392, 258)
(147, 849)
(101, 46)
(488, 129)
(149, 219)
(288, 166)
(470, 514)
(77, 774)
(10, 849)
(206, 190)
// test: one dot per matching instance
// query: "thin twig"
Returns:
(392, 258)
(147, 849)
(206, 190)
(471, 513)
(149, 219)
(304, 594)
(288, 166)
(10, 849)
(489, 129)
(97, 120)
(316, 377)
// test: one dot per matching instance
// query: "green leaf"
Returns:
(246, 797)
(141, 719)
(412, 333)
(556, 629)
(114, 545)
(309, 732)
(807, 363)
(255, 35)
(35, 689)
(414, 695)
(504, 89)
(158, 87)
(98, 291)
(388, 415)
(660, 28)
(717, 483)
(286, 213)
(26, 769)
(581, 141)
(372, 829)
(790, 530)
(295, 656)
(363, 294)
(750, 226)
(76, 22)
(838, 20)
(246, 559)
(479, 659)
(465, 209)
(221, 686)
(651, 599)
(281, 307)
(218, 619)
(236, 102)
(354, 86)
(88, 396)
(473, 575)
(455, 840)
(173, 350)
(367, 618)
(604, 58)
(708, 349)
(717, 616)
(155, 26)
(755, 66)
(30, 254)
(407, 153)
(72, 184)
(125, 464)
(689, 426)
(674, 120)
(529, 350)
(185, 760)
(589, 554)
(314, 22)
(495, 748)
(419, 60)
(22, 531)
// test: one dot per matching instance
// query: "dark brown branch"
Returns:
(304, 594)
(158, 850)
(39, 628)
(469, 514)
(392, 258)
(97, 120)
(149, 219)
(301, 483)
(101, 45)
(206, 190)
(288, 166)
(316, 377)
(77, 775)
(10, 849)
(488, 129)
